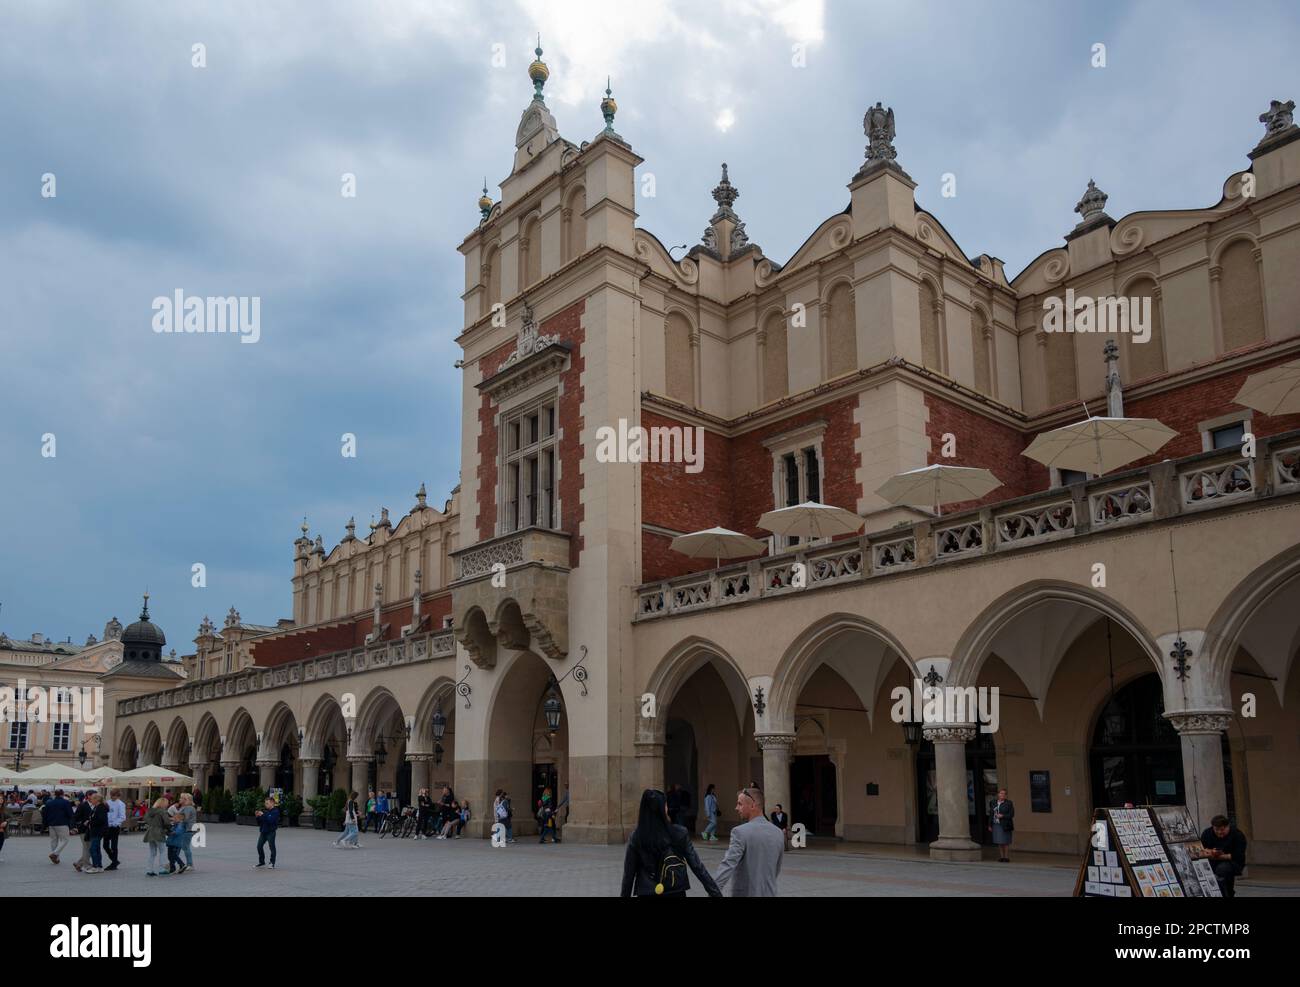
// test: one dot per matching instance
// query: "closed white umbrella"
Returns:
(938, 484)
(1099, 445)
(718, 543)
(1275, 391)
(811, 520)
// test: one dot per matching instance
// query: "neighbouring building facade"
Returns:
(126, 662)
(1140, 626)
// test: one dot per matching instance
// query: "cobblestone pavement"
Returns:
(309, 865)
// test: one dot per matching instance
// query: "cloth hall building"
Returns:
(540, 630)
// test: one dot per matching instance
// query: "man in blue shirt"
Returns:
(268, 820)
(116, 820)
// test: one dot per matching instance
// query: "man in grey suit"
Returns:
(755, 852)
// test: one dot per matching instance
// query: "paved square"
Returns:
(310, 866)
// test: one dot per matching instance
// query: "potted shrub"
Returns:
(319, 807)
(334, 814)
(290, 808)
(226, 813)
(211, 806)
(246, 805)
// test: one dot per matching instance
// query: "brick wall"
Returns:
(735, 487)
(567, 324)
(280, 649)
(982, 442)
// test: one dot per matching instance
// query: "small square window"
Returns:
(1229, 436)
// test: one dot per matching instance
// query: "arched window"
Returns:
(841, 332)
(931, 339)
(492, 282)
(980, 345)
(1241, 302)
(1143, 360)
(776, 372)
(679, 360)
(575, 224)
(530, 253)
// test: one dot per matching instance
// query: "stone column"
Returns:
(231, 768)
(419, 772)
(360, 775)
(1201, 733)
(954, 842)
(310, 781)
(200, 773)
(266, 774)
(650, 764)
(776, 769)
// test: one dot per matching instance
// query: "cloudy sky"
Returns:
(226, 180)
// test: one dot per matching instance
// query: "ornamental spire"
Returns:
(607, 109)
(485, 201)
(538, 72)
(144, 611)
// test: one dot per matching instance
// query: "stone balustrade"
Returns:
(384, 654)
(1206, 481)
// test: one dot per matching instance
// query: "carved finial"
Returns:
(304, 526)
(1093, 204)
(420, 498)
(206, 628)
(351, 528)
(485, 201)
(232, 618)
(144, 611)
(724, 193)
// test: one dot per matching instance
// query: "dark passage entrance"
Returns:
(1136, 755)
(814, 794)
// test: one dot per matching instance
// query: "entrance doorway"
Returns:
(815, 794)
(981, 789)
(544, 776)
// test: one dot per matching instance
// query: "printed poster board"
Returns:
(1151, 852)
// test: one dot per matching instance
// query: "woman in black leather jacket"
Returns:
(654, 839)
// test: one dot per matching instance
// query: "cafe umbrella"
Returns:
(1275, 391)
(811, 520)
(718, 544)
(1099, 445)
(938, 485)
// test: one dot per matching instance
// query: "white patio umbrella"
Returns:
(48, 775)
(720, 543)
(150, 774)
(811, 520)
(1275, 391)
(1099, 445)
(938, 485)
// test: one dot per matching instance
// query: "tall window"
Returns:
(18, 735)
(798, 480)
(61, 737)
(529, 467)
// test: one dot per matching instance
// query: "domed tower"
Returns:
(143, 640)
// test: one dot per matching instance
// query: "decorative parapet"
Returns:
(1163, 491)
(426, 647)
(513, 590)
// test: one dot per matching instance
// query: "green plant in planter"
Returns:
(247, 802)
(290, 808)
(338, 799)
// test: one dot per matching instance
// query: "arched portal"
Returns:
(528, 736)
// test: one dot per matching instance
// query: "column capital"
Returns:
(775, 741)
(267, 762)
(649, 748)
(1190, 722)
(310, 762)
(360, 758)
(418, 756)
(949, 733)
(232, 766)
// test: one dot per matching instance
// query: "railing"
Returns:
(385, 654)
(1165, 490)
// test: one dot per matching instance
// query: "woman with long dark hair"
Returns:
(659, 853)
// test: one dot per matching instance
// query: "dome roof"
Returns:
(144, 631)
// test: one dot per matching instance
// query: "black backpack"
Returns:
(673, 874)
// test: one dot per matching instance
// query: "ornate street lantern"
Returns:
(553, 711)
(439, 723)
